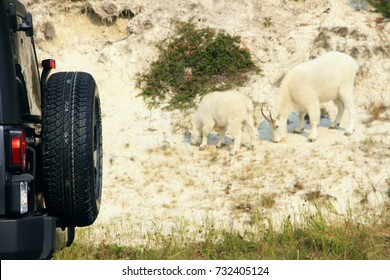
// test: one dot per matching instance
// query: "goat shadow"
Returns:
(212, 139)
(265, 128)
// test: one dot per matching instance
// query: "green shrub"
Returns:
(383, 6)
(193, 62)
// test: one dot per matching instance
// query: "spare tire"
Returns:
(72, 148)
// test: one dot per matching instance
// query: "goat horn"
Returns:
(269, 119)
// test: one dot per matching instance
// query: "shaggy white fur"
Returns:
(307, 85)
(221, 111)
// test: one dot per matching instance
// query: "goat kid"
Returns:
(221, 111)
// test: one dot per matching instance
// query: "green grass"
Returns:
(191, 63)
(318, 236)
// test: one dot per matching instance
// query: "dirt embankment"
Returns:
(154, 179)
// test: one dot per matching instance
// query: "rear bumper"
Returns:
(32, 238)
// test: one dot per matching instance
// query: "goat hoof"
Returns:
(297, 131)
(311, 140)
(347, 133)
(201, 148)
(277, 139)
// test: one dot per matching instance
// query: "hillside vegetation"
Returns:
(157, 185)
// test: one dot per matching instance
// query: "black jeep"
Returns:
(50, 145)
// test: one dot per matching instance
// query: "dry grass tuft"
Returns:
(377, 111)
(268, 200)
(316, 195)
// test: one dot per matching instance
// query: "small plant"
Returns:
(267, 22)
(317, 196)
(245, 207)
(268, 200)
(164, 148)
(313, 195)
(193, 62)
(373, 147)
(298, 185)
(377, 112)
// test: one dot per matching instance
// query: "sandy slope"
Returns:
(153, 179)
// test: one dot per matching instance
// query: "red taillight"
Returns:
(18, 150)
(52, 64)
(49, 64)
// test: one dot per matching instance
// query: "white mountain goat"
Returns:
(221, 111)
(307, 85)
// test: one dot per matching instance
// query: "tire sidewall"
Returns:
(72, 148)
